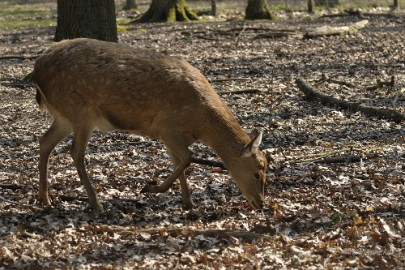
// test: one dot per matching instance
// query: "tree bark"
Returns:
(90, 19)
(130, 4)
(214, 7)
(396, 4)
(168, 11)
(310, 6)
(258, 9)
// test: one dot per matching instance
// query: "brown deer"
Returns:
(86, 83)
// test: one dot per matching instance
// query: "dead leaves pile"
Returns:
(335, 196)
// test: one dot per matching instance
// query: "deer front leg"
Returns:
(185, 193)
(181, 157)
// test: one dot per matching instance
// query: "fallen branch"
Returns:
(207, 162)
(68, 198)
(245, 236)
(11, 186)
(244, 91)
(340, 159)
(18, 57)
(275, 34)
(336, 30)
(329, 101)
(229, 79)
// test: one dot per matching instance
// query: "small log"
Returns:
(313, 94)
(336, 30)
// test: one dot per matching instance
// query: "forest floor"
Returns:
(336, 181)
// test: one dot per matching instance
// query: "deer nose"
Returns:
(257, 203)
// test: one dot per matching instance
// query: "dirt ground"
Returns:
(336, 180)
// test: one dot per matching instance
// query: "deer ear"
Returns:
(252, 147)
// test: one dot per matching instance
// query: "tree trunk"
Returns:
(130, 4)
(214, 7)
(310, 6)
(91, 19)
(396, 4)
(258, 9)
(168, 11)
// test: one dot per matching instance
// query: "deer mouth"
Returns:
(256, 203)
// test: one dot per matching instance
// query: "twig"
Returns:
(279, 147)
(68, 198)
(325, 78)
(400, 93)
(340, 159)
(244, 91)
(229, 79)
(274, 34)
(18, 57)
(329, 101)
(239, 35)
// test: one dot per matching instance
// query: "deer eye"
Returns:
(257, 175)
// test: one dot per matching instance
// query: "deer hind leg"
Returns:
(58, 131)
(181, 156)
(81, 137)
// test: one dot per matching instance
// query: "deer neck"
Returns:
(227, 139)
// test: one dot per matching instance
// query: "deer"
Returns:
(86, 84)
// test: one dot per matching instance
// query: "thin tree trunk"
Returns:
(130, 4)
(214, 7)
(310, 6)
(91, 19)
